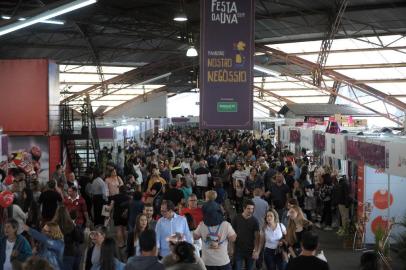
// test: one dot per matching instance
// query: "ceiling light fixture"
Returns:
(45, 16)
(180, 17)
(191, 52)
(5, 17)
(53, 22)
(266, 70)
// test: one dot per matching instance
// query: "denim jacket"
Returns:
(50, 249)
(22, 247)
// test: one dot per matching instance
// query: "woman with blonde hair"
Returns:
(297, 225)
(272, 235)
(51, 243)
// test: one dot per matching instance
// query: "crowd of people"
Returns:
(181, 199)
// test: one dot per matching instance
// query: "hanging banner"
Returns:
(294, 135)
(306, 138)
(226, 64)
(373, 153)
(353, 151)
(319, 141)
(335, 145)
(284, 131)
(396, 153)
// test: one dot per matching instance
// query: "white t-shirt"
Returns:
(272, 237)
(9, 249)
(202, 180)
(215, 256)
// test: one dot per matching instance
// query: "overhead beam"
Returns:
(336, 76)
(142, 98)
(18, 45)
(327, 42)
(380, 96)
(131, 77)
(265, 107)
(366, 66)
(270, 93)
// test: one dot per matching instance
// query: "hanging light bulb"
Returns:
(191, 52)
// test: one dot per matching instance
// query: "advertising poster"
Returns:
(396, 154)
(376, 192)
(226, 67)
(20, 145)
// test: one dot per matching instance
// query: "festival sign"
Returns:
(226, 64)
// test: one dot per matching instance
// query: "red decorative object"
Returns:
(6, 198)
(333, 127)
(9, 180)
(379, 222)
(381, 199)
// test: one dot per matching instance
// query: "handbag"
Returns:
(280, 250)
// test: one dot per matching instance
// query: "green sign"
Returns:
(227, 106)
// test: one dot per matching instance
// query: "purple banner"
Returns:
(105, 133)
(294, 136)
(371, 154)
(353, 150)
(226, 64)
(319, 141)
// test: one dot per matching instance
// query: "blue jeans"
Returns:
(239, 259)
(223, 267)
(273, 260)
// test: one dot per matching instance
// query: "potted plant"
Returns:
(347, 234)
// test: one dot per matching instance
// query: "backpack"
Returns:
(213, 238)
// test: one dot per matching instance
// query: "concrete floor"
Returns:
(345, 259)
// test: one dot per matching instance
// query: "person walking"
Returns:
(170, 228)
(247, 245)
(272, 234)
(51, 243)
(148, 259)
(307, 258)
(14, 248)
